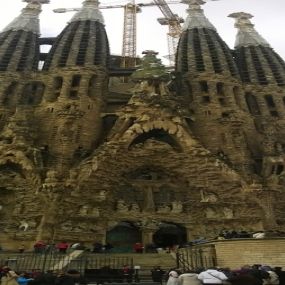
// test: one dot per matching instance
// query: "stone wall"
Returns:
(238, 252)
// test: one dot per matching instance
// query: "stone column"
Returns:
(147, 236)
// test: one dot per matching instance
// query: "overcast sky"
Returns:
(269, 20)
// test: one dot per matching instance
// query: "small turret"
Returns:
(19, 48)
(83, 42)
(200, 48)
(257, 61)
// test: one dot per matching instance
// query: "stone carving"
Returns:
(23, 226)
(228, 213)
(177, 207)
(211, 213)
(135, 208)
(163, 209)
(95, 212)
(84, 210)
(207, 197)
(18, 209)
(122, 207)
(101, 196)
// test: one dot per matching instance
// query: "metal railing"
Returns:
(52, 261)
(196, 257)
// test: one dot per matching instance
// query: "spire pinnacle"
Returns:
(196, 17)
(247, 35)
(89, 11)
(28, 20)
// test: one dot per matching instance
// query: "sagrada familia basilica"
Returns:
(86, 157)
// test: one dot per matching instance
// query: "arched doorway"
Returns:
(123, 237)
(169, 234)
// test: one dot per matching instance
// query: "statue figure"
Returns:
(135, 208)
(208, 197)
(101, 196)
(18, 209)
(228, 213)
(23, 226)
(122, 207)
(83, 210)
(95, 212)
(211, 213)
(177, 207)
(163, 209)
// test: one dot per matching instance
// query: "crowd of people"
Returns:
(58, 277)
(247, 275)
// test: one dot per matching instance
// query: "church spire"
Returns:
(90, 11)
(247, 35)
(29, 18)
(196, 17)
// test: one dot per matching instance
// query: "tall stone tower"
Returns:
(80, 160)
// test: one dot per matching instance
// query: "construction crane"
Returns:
(174, 28)
(129, 46)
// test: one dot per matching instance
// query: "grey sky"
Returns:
(269, 20)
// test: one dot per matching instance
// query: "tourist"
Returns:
(63, 279)
(127, 274)
(172, 278)
(281, 275)
(23, 280)
(138, 247)
(39, 246)
(157, 274)
(189, 278)
(21, 248)
(212, 276)
(62, 247)
(244, 279)
(47, 278)
(9, 278)
(272, 279)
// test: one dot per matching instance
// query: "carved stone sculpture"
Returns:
(177, 207)
(122, 207)
(163, 209)
(84, 210)
(228, 213)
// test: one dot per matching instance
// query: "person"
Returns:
(47, 278)
(9, 278)
(244, 279)
(272, 278)
(21, 248)
(212, 276)
(189, 278)
(127, 273)
(62, 247)
(63, 279)
(172, 278)
(157, 274)
(39, 246)
(23, 280)
(281, 275)
(77, 277)
(138, 247)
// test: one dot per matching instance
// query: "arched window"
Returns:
(32, 93)
(252, 104)
(9, 94)
(220, 88)
(92, 86)
(204, 86)
(75, 84)
(57, 86)
(269, 101)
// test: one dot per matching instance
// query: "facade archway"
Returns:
(169, 234)
(123, 237)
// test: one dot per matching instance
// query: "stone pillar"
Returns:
(147, 236)
(189, 232)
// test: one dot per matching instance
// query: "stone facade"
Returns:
(81, 152)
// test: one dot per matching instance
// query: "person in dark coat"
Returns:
(244, 279)
(64, 279)
(281, 275)
(157, 274)
(47, 278)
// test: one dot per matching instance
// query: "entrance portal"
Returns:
(123, 237)
(169, 235)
